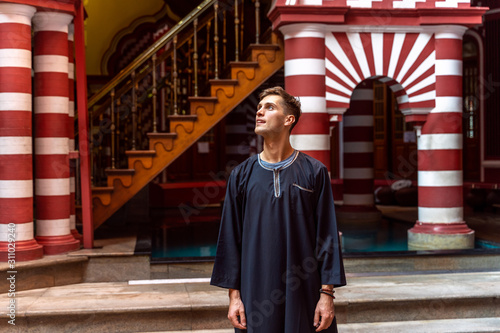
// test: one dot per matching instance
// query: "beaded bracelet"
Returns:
(328, 292)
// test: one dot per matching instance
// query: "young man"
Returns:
(278, 250)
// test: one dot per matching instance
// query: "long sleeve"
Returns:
(328, 248)
(227, 266)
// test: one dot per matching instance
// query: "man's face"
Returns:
(271, 118)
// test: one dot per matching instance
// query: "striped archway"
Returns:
(403, 60)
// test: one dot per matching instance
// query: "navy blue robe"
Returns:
(278, 243)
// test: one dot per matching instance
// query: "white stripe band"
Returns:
(303, 30)
(59, 227)
(457, 34)
(337, 86)
(359, 199)
(50, 63)
(337, 98)
(440, 141)
(311, 104)
(305, 66)
(358, 147)
(51, 104)
(169, 281)
(51, 146)
(15, 145)
(15, 58)
(51, 21)
(312, 2)
(428, 96)
(440, 215)
(307, 142)
(337, 72)
(52, 186)
(448, 67)
(358, 121)
(431, 79)
(15, 102)
(440, 178)
(448, 104)
(403, 99)
(16, 189)
(22, 231)
(358, 173)
(16, 13)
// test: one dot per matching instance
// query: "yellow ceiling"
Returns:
(105, 19)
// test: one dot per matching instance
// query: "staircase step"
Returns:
(368, 304)
(140, 153)
(262, 49)
(123, 175)
(102, 189)
(246, 67)
(145, 157)
(462, 325)
(165, 139)
(226, 85)
(243, 64)
(206, 104)
(223, 82)
(119, 172)
(467, 325)
(187, 122)
(162, 135)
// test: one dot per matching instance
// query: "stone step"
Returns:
(468, 325)
(462, 325)
(142, 306)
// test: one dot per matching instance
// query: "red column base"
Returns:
(25, 251)
(58, 244)
(440, 236)
(77, 235)
(441, 228)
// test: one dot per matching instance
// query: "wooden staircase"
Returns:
(205, 112)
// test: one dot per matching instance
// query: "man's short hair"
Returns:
(290, 104)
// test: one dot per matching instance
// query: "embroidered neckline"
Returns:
(295, 155)
(276, 173)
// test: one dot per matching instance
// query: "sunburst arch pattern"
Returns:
(404, 61)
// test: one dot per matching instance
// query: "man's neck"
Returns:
(276, 150)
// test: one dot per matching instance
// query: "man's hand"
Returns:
(324, 313)
(236, 313)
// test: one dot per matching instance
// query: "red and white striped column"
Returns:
(440, 222)
(71, 130)
(52, 184)
(359, 202)
(305, 78)
(16, 161)
(358, 148)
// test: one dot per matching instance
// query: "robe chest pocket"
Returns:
(302, 199)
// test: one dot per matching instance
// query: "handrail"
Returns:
(150, 51)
